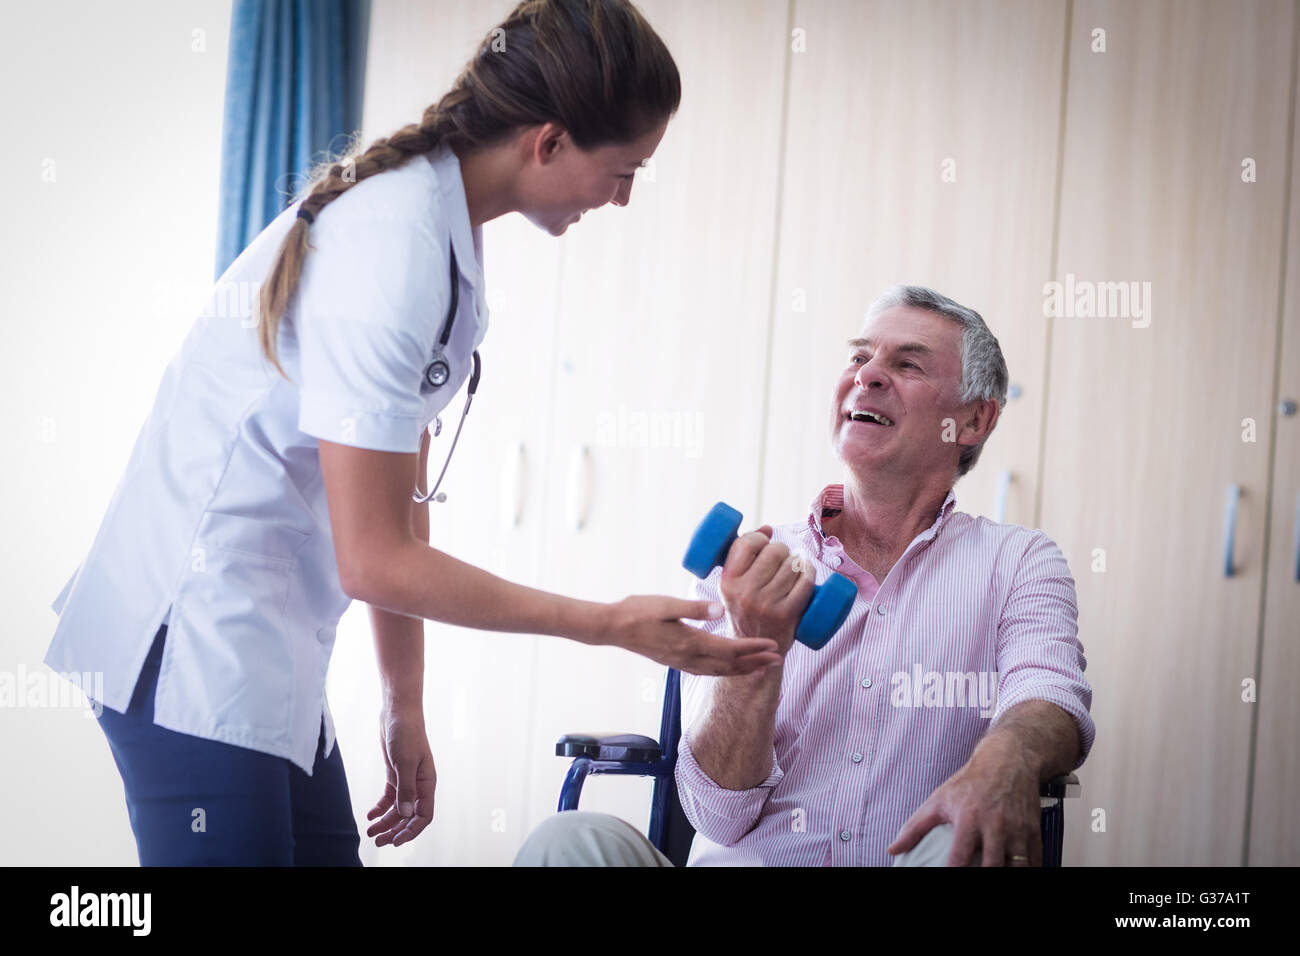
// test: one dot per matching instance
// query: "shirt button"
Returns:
(857, 758)
(866, 682)
(880, 609)
(845, 835)
(836, 561)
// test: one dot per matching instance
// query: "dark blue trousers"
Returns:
(199, 802)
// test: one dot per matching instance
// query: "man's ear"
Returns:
(981, 418)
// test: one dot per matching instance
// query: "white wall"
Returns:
(108, 186)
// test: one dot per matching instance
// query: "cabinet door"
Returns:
(1144, 432)
(1274, 829)
(659, 380)
(477, 683)
(921, 149)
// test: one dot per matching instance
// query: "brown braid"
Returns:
(412, 140)
(594, 67)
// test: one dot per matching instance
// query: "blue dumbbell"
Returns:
(831, 602)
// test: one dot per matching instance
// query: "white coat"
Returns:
(220, 519)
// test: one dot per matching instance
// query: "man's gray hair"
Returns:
(983, 370)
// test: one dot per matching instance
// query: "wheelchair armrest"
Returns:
(1062, 785)
(631, 748)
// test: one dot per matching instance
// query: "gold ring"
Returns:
(1017, 858)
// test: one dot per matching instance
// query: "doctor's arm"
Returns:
(382, 562)
(406, 806)
(399, 638)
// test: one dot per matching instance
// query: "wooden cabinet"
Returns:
(922, 147)
(1274, 829)
(1144, 423)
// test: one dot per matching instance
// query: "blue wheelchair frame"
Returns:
(670, 831)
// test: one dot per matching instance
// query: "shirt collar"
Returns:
(467, 240)
(830, 501)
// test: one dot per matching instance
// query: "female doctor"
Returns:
(272, 483)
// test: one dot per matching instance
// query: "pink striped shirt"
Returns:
(974, 618)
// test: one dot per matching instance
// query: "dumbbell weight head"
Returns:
(712, 540)
(832, 600)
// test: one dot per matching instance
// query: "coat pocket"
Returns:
(249, 535)
(234, 643)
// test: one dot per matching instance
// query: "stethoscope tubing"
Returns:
(469, 400)
(447, 324)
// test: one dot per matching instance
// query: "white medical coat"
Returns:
(220, 518)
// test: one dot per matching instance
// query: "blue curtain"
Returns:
(293, 92)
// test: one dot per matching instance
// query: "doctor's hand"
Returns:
(652, 626)
(406, 806)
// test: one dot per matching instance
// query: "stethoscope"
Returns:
(436, 374)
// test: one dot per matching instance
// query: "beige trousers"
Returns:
(583, 838)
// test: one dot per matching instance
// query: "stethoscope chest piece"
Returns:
(436, 373)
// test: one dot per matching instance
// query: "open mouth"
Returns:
(871, 418)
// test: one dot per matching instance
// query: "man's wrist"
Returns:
(1004, 750)
(750, 629)
(755, 685)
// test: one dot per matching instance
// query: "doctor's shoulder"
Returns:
(366, 249)
(373, 266)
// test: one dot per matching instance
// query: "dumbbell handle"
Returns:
(831, 602)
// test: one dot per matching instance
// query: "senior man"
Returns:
(887, 744)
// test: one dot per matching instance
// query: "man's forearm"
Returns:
(1045, 735)
(733, 743)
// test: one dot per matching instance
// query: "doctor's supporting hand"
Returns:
(652, 626)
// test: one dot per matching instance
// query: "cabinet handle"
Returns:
(1230, 528)
(579, 487)
(1297, 536)
(512, 487)
(1000, 501)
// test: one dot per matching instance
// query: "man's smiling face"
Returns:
(906, 368)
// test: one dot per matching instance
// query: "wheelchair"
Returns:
(670, 831)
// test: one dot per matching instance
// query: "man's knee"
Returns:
(932, 849)
(583, 838)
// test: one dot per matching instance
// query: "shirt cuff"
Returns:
(377, 431)
(719, 814)
(1068, 703)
